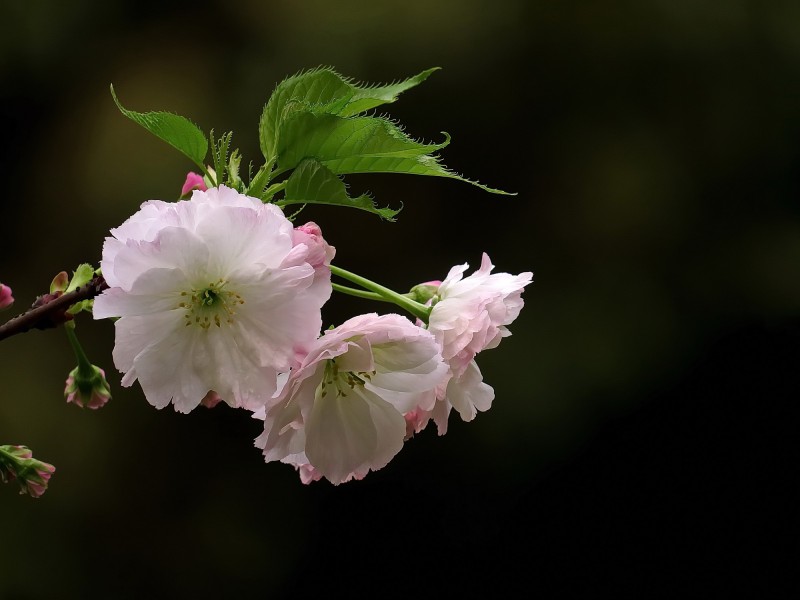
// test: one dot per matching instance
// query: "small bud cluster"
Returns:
(32, 475)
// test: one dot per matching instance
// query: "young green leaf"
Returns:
(369, 97)
(81, 276)
(360, 145)
(177, 131)
(323, 91)
(219, 153)
(313, 183)
(345, 145)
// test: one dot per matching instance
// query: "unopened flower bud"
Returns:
(32, 475)
(193, 182)
(6, 299)
(87, 387)
(423, 292)
(36, 477)
(60, 283)
(320, 253)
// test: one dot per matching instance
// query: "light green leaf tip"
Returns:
(80, 277)
(179, 132)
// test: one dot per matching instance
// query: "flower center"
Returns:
(342, 381)
(210, 305)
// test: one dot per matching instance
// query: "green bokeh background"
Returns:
(640, 430)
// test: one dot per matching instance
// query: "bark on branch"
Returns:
(53, 312)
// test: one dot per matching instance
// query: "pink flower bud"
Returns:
(32, 475)
(320, 253)
(87, 389)
(424, 292)
(6, 299)
(193, 182)
(37, 478)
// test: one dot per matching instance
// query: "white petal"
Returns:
(468, 394)
(349, 434)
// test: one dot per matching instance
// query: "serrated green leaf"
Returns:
(346, 145)
(234, 180)
(81, 276)
(82, 306)
(323, 91)
(368, 97)
(313, 183)
(179, 132)
(320, 88)
(219, 153)
(360, 145)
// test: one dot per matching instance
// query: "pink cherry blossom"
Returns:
(469, 315)
(341, 412)
(213, 294)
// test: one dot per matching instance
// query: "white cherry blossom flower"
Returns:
(341, 412)
(213, 295)
(469, 315)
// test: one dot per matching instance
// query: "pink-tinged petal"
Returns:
(468, 394)
(193, 182)
(366, 432)
(320, 253)
(333, 417)
(470, 315)
(6, 297)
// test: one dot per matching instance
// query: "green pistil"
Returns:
(342, 381)
(210, 305)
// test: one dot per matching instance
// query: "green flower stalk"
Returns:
(376, 291)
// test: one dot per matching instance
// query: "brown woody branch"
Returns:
(50, 310)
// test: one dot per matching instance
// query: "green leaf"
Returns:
(177, 131)
(346, 145)
(369, 97)
(234, 179)
(323, 91)
(313, 183)
(80, 277)
(360, 145)
(219, 153)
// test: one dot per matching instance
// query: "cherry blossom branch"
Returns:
(48, 313)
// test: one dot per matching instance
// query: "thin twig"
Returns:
(52, 313)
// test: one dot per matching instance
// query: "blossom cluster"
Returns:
(218, 298)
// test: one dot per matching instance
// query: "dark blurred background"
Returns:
(640, 439)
